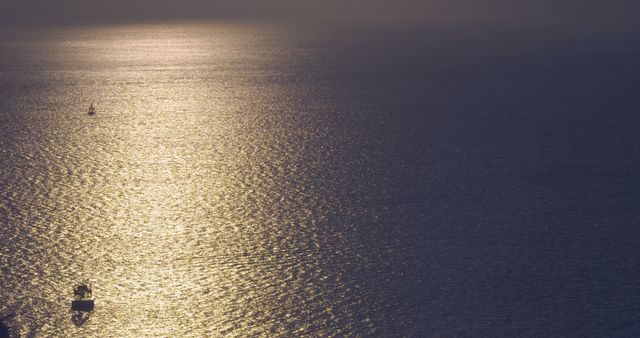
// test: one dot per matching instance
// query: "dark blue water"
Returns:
(378, 183)
(508, 171)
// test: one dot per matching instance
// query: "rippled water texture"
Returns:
(245, 180)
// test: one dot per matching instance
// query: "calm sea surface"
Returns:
(253, 180)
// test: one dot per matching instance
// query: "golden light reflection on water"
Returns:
(186, 200)
(159, 228)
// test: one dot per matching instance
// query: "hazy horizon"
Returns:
(569, 15)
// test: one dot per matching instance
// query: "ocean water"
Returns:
(244, 179)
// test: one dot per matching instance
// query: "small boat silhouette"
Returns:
(82, 304)
(92, 110)
(83, 300)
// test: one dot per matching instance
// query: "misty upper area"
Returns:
(585, 16)
(399, 31)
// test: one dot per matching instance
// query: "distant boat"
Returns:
(83, 300)
(92, 110)
(82, 304)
